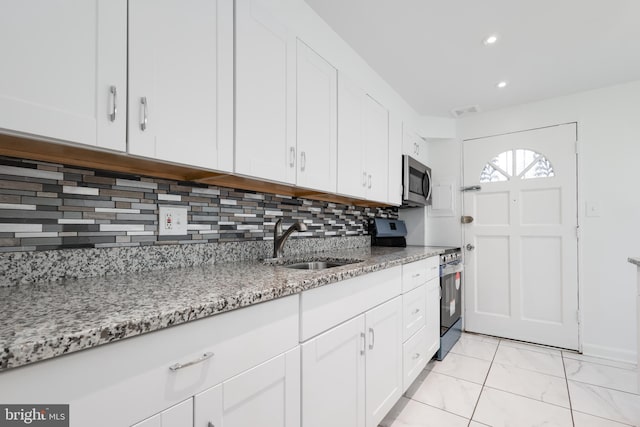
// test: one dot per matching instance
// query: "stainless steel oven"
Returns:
(451, 269)
(416, 183)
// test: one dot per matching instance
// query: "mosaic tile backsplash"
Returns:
(46, 206)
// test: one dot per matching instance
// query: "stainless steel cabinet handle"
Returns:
(114, 99)
(205, 356)
(145, 113)
(415, 276)
(418, 149)
(303, 161)
(415, 356)
(373, 338)
(470, 247)
(364, 179)
(292, 157)
(363, 343)
(416, 311)
(369, 186)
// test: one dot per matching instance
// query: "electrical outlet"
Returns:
(172, 221)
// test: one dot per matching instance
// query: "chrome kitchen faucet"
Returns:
(279, 238)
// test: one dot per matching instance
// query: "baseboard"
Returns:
(611, 353)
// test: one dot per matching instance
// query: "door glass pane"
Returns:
(490, 174)
(541, 169)
(525, 163)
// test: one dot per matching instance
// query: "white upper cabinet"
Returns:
(376, 139)
(317, 115)
(413, 144)
(363, 144)
(63, 73)
(181, 81)
(265, 145)
(352, 175)
(395, 161)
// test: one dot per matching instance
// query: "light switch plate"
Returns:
(172, 221)
(593, 209)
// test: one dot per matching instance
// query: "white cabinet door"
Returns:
(414, 145)
(333, 377)
(395, 161)
(432, 326)
(181, 81)
(267, 395)
(317, 115)
(384, 359)
(180, 415)
(376, 137)
(265, 95)
(60, 61)
(352, 177)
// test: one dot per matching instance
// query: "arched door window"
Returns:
(520, 163)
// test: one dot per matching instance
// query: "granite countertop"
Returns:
(635, 261)
(45, 320)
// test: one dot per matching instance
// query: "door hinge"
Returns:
(578, 232)
(577, 147)
(578, 316)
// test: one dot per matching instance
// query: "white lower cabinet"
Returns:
(267, 395)
(421, 316)
(352, 374)
(180, 415)
(433, 317)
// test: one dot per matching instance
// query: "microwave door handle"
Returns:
(426, 177)
(405, 181)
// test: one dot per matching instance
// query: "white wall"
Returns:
(609, 174)
(426, 226)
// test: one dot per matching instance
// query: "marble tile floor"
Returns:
(486, 381)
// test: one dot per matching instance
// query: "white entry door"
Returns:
(521, 248)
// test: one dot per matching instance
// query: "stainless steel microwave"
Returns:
(416, 183)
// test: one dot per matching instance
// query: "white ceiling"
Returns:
(432, 52)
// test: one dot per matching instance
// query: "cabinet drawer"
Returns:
(416, 273)
(415, 357)
(413, 311)
(325, 307)
(239, 340)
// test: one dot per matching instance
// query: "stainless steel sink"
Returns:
(315, 265)
(311, 263)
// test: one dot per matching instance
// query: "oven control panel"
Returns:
(450, 257)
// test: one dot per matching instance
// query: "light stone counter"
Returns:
(39, 321)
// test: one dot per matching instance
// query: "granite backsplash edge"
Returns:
(54, 265)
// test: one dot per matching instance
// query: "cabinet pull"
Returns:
(415, 356)
(418, 149)
(415, 276)
(363, 343)
(292, 157)
(416, 311)
(369, 186)
(364, 179)
(373, 338)
(114, 106)
(303, 161)
(205, 356)
(145, 115)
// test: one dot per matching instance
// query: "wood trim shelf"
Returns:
(96, 158)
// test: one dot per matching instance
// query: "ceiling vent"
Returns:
(463, 111)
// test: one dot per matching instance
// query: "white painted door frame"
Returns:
(578, 217)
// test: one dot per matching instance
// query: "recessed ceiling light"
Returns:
(501, 85)
(490, 40)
